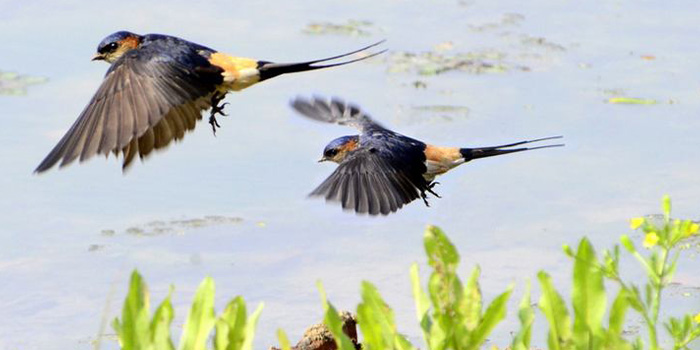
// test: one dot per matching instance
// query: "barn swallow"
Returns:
(155, 90)
(380, 170)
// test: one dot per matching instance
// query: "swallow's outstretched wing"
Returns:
(336, 111)
(382, 175)
(149, 97)
(370, 182)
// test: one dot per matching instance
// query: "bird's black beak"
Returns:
(98, 57)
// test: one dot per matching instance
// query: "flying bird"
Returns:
(380, 170)
(155, 90)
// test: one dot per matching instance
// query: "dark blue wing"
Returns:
(336, 111)
(149, 97)
(380, 177)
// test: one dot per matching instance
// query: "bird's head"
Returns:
(115, 45)
(338, 149)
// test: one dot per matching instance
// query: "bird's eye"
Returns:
(109, 48)
(331, 152)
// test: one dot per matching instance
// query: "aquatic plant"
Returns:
(452, 313)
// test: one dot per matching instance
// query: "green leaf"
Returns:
(526, 314)
(333, 322)
(134, 330)
(666, 206)
(250, 328)
(284, 341)
(440, 250)
(421, 299)
(160, 325)
(230, 327)
(627, 243)
(471, 300)
(494, 314)
(618, 312)
(554, 309)
(200, 319)
(376, 321)
(588, 296)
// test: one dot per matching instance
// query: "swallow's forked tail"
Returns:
(483, 152)
(270, 69)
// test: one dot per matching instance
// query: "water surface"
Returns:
(70, 238)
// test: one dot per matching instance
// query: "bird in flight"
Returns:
(155, 90)
(380, 170)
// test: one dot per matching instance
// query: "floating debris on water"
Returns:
(350, 28)
(434, 114)
(107, 232)
(433, 63)
(160, 227)
(420, 84)
(95, 247)
(16, 84)
(442, 109)
(508, 19)
(631, 101)
(541, 42)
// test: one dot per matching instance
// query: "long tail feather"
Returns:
(483, 152)
(270, 69)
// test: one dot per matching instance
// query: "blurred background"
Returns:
(619, 79)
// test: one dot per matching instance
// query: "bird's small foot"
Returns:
(216, 108)
(430, 189)
(214, 123)
(219, 110)
(424, 197)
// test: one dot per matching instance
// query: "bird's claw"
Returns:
(214, 123)
(219, 110)
(216, 108)
(424, 197)
(430, 189)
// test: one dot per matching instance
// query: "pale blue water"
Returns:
(509, 214)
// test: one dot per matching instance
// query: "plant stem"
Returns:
(656, 299)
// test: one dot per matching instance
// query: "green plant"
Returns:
(451, 314)
(234, 329)
(589, 299)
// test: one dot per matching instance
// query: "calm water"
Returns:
(70, 238)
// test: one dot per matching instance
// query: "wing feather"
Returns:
(335, 111)
(146, 100)
(371, 183)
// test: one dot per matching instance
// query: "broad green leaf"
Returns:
(160, 325)
(250, 329)
(554, 309)
(588, 296)
(421, 299)
(333, 322)
(284, 341)
(221, 331)
(231, 324)
(618, 311)
(134, 329)
(526, 314)
(471, 300)
(627, 243)
(200, 319)
(439, 249)
(494, 314)
(376, 319)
